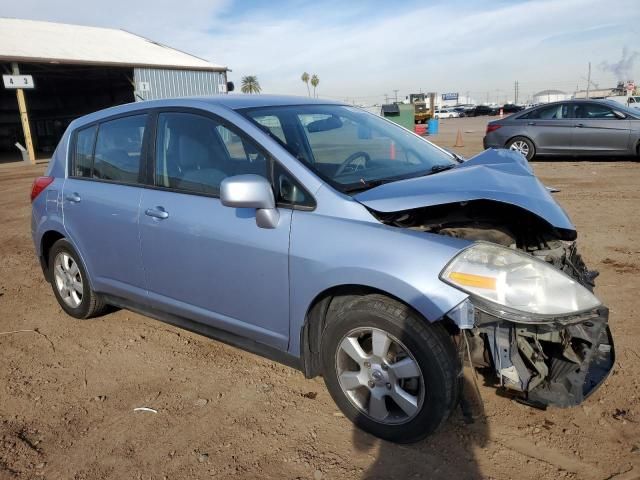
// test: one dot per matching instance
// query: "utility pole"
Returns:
(396, 95)
(386, 99)
(589, 80)
(516, 93)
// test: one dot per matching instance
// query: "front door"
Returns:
(101, 202)
(203, 260)
(598, 129)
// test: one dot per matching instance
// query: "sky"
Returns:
(364, 50)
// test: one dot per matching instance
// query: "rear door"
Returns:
(101, 202)
(550, 127)
(598, 129)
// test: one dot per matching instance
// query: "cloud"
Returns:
(365, 49)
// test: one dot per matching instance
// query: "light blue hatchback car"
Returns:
(328, 239)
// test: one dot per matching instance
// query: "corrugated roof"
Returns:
(35, 41)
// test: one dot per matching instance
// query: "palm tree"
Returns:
(314, 83)
(250, 84)
(305, 79)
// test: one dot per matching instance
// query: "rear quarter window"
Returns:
(83, 155)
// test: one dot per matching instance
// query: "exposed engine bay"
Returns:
(558, 362)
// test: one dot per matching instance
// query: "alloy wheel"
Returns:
(68, 279)
(520, 146)
(380, 376)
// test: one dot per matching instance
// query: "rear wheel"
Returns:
(70, 282)
(522, 145)
(390, 371)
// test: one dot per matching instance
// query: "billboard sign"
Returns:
(449, 96)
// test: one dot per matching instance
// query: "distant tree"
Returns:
(250, 84)
(305, 79)
(314, 83)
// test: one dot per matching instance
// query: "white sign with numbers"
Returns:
(18, 81)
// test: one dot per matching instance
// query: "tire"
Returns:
(368, 385)
(522, 145)
(75, 296)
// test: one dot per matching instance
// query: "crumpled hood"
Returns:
(499, 175)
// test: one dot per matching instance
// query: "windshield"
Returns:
(629, 111)
(348, 147)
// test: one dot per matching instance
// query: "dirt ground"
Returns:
(68, 388)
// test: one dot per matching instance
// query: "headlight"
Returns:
(517, 282)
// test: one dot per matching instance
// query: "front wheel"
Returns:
(522, 145)
(391, 372)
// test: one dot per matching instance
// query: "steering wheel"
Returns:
(350, 159)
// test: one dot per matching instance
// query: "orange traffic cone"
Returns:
(459, 142)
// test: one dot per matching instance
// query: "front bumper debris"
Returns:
(557, 364)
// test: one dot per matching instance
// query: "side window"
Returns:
(288, 191)
(195, 153)
(552, 112)
(83, 157)
(594, 111)
(118, 149)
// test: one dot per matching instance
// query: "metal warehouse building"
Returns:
(53, 73)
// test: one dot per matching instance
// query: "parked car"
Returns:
(446, 113)
(512, 108)
(465, 106)
(462, 112)
(331, 240)
(573, 127)
(480, 110)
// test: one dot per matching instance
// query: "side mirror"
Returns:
(251, 191)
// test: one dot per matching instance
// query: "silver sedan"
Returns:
(575, 127)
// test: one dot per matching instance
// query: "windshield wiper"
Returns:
(441, 168)
(364, 185)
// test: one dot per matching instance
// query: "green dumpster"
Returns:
(401, 114)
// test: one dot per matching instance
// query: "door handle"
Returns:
(159, 212)
(531, 123)
(579, 125)
(73, 197)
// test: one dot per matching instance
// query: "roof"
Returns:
(231, 101)
(35, 41)
(238, 101)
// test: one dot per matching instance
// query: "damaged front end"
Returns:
(523, 327)
(557, 364)
(531, 315)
